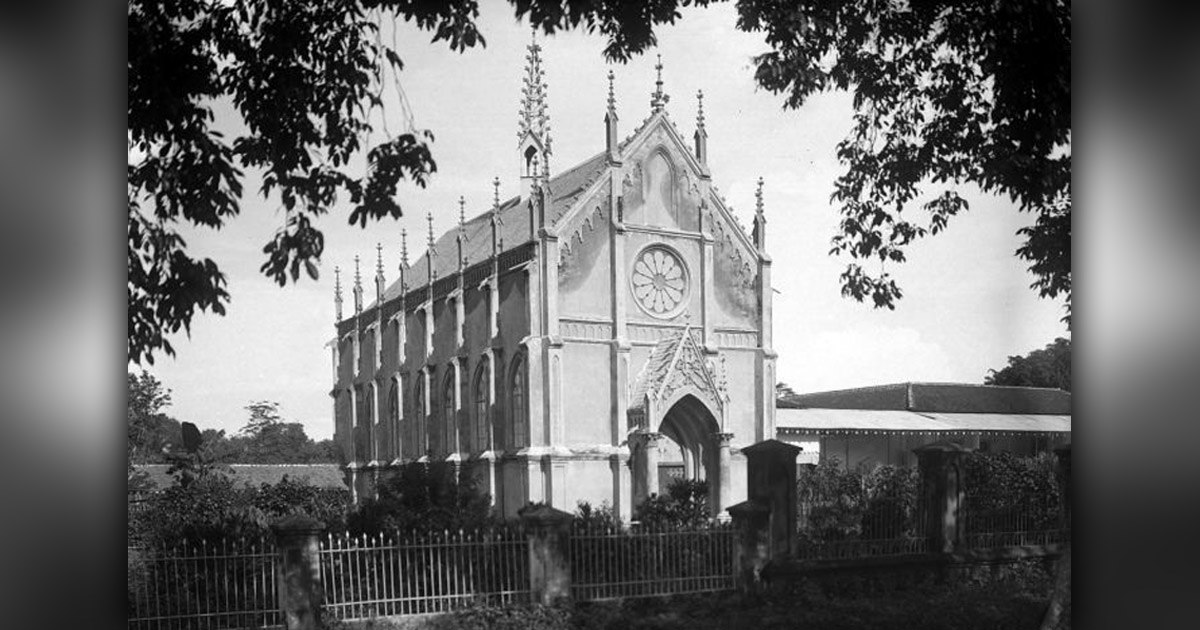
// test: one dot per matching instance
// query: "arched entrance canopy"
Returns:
(677, 395)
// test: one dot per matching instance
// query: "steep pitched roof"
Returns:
(514, 228)
(655, 369)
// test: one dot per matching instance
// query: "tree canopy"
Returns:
(1048, 367)
(944, 93)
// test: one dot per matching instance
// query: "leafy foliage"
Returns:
(685, 505)
(423, 497)
(148, 429)
(302, 77)
(783, 395)
(589, 517)
(838, 504)
(947, 93)
(1048, 367)
(213, 508)
(1002, 488)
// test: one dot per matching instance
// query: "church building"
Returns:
(606, 330)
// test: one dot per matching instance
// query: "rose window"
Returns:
(659, 282)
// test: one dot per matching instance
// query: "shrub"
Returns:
(595, 518)
(211, 508)
(837, 504)
(423, 497)
(1005, 490)
(686, 505)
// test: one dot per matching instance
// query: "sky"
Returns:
(967, 304)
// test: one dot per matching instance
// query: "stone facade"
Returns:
(610, 323)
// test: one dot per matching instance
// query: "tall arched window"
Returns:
(448, 414)
(518, 407)
(373, 419)
(483, 416)
(417, 424)
(394, 420)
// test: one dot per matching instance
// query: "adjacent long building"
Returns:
(608, 328)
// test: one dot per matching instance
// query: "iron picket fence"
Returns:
(366, 577)
(211, 586)
(640, 561)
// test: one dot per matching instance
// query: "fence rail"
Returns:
(645, 561)
(372, 576)
(213, 586)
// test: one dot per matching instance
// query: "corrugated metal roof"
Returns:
(821, 420)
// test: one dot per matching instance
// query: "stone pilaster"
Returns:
(724, 485)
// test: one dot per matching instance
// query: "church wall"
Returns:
(584, 286)
(587, 403)
(733, 288)
(741, 417)
(588, 480)
(341, 404)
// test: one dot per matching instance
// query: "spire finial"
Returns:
(658, 99)
(496, 196)
(403, 248)
(379, 259)
(534, 119)
(700, 109)
(759, 233)
(462, 212)
(758, 202)
(612, 99)
(337, 292)
(429, 218)
(357, 287)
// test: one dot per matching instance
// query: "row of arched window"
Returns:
(436, 429)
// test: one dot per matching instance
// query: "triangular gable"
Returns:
(585, 206)
(676, 363)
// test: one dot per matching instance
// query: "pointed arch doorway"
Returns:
(677, 406)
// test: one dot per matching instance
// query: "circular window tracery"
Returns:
(660, 282)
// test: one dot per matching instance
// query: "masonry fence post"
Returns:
(752, 547)
(771, 480)
(549, 534)
(298, 567)
(942, 488)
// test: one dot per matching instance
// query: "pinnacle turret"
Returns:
(337, 293)
(760, 219)
(701, 136)
(658, 98)
(610, 123)
(379, 281)
(358, 292)
(533, 134)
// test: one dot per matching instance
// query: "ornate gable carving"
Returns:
(676, 363)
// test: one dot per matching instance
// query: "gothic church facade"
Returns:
(609, 326)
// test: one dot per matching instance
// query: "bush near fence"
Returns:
(842, 513)
(1007, 500)
(215, 508)
(1010, 500)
